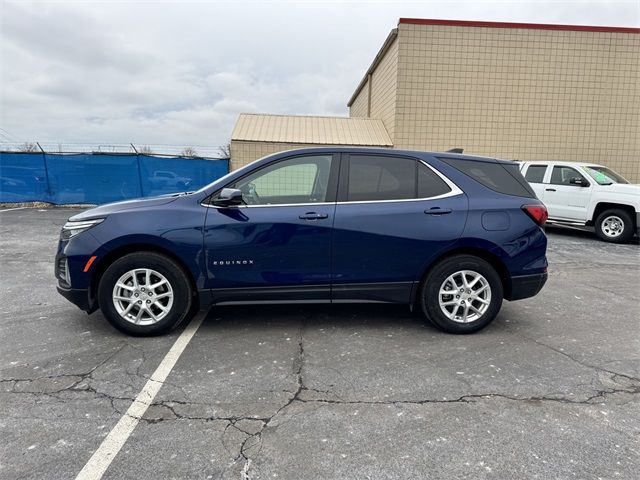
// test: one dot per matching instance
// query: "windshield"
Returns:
(605, 176)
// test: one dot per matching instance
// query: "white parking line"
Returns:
(11, 209)
(111, 445)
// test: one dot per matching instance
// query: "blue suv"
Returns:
(451, 234)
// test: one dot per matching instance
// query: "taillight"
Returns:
(538, 213)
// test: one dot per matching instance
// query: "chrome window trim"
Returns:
(437, 197)
(273, 205)
(455, 190)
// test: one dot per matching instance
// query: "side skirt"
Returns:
(262, 295)
(392, 292)
(395, 292)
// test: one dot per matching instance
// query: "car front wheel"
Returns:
(615, 226)
(145, 294)
(461, 294)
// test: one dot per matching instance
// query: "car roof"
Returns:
(560, 162)
(394, 151)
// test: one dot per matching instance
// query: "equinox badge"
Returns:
(233, 262)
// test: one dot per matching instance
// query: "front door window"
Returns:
(292, 181)
(564, 176)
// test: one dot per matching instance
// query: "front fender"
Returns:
(177, 230)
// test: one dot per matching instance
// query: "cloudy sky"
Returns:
(180, 72)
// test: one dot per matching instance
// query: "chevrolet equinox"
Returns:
(450, 234)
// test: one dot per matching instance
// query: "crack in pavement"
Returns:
(79, 384)
(254, 427)
(580, 362)
(252, 443)
(256, 438)
(79, 376)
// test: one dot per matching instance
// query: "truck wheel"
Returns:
(461, 294)
(145, 294)
(615, 226)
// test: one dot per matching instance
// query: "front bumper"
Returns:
(79, 297)
(526, 286)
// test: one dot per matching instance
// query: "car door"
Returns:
(277, 245)
(567, 194)
(393, 215)
(534, 174)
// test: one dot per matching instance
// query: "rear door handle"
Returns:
(550, 189)
(313, 216)
(437, 211)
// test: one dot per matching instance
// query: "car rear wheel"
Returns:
(145, 294)
(615, 226)
(461, 294)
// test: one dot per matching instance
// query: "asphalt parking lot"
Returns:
(549, 390)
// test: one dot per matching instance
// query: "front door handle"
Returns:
(313, 216)
(438, 211)
(550, 189)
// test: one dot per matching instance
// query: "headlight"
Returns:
(71, 229)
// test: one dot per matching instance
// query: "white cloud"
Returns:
(179, 73)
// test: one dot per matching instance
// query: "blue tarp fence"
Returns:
(99, 178)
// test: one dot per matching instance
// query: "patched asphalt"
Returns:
(549, 390)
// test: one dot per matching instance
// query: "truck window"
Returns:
(535, 173)
(562, 175)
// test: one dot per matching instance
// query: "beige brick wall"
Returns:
(383, 82)
(360, 105)
(383, 89)
(519, 93)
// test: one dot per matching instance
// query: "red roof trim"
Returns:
(534, 26)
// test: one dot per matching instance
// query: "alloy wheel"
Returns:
(464, 296)
(142, 296)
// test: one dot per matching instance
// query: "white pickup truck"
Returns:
(585, 194)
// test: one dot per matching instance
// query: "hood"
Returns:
(625, 188)
(109, 208)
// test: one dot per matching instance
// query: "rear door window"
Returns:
(374, 178)
(535, 173)
(380, 178)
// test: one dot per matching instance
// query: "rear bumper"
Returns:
(526, 286)
(79, 297)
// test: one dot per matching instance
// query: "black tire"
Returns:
(627, 233)
(430, 288)
(179, 311)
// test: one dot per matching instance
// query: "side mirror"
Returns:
(228, 197)
(582, 182)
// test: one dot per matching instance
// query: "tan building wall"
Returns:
(383, 84)
(518, 93)
(377, 96)
(243, 152)
(360, 105)
(257, 135)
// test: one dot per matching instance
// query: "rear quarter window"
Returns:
(499, 177)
